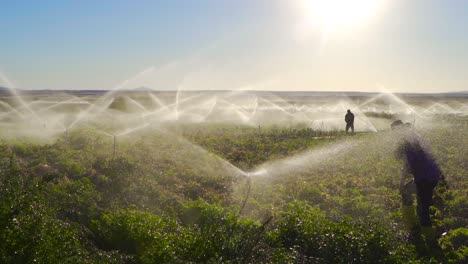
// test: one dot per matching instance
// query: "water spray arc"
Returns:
(304, 161)
(144, 110)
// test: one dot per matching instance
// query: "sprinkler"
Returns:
(115, 145)
(249, 187)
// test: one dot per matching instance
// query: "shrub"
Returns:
(310, 235)
(455, 244)
(29, 231)
(217, 234)
(147, 237)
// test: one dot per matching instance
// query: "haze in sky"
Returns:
(314, 45)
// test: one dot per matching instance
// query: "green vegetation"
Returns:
(247, 147)
(163, 199)
(384, 115)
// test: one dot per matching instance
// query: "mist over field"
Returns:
(243, 176)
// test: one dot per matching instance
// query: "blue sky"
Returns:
(417, 45)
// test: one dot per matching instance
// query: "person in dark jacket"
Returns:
(418, 163)
(349, 119)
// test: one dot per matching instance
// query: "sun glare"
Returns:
(340, 15)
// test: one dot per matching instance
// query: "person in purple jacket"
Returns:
(418, 162)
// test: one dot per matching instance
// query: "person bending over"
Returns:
(418, 163)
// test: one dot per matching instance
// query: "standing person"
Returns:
(349, 119)
(425, 172)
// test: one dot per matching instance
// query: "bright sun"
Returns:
(340, 15)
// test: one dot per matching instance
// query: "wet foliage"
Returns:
(163, 199)
(247, 147)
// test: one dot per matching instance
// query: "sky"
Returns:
(399, 45)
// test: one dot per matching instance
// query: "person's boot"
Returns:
(415, 238)
(429, 234)
(411, 222)
(431, 241)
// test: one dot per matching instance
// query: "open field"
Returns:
(218, 177)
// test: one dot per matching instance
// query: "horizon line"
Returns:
(145, 89)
